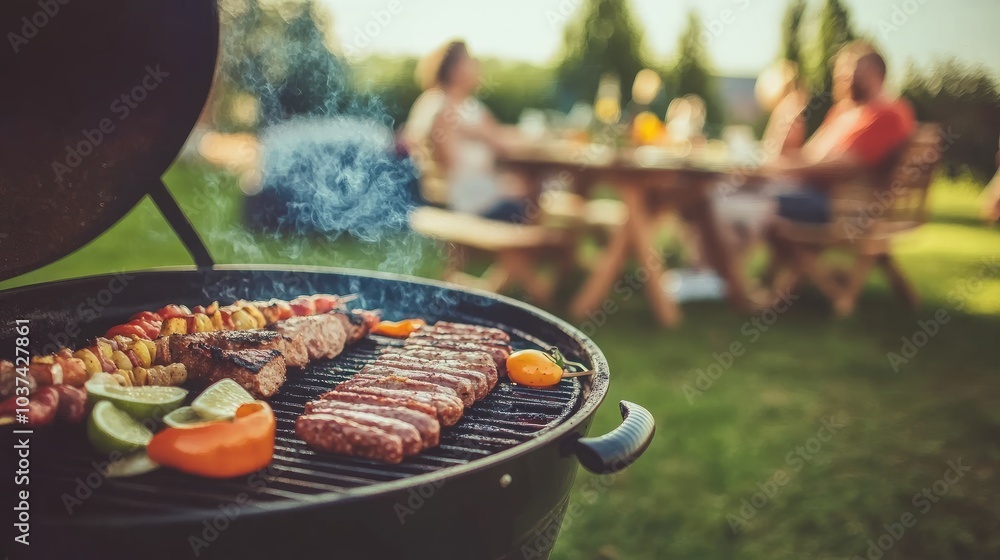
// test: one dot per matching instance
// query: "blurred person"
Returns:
(781, 91)
(991, 196)
(462, 137)
(860, 137)
(857, 138)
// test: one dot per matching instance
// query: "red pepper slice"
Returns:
(398, 329)
(128, 330)
(220, 449)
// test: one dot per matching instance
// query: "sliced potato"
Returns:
(217, 320)
(256, 314)
(175, 325)
(203, 323)
(140, 376)
(150, 348)
(104, 345)
(91, 363)
(123, 379)
(142, 352)
(121, 360)
(242, 321)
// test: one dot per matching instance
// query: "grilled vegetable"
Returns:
(221, 449)
(399, 329)
(535, 368)
(174, 325)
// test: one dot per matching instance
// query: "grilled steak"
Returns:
(469, 361)
(480, 385)
(497, 352)
(337, 434)
(447, 407)
(293, 349)
(324, 335)
(462, 387)
(259, 371)
(351, 397)
(426, 424)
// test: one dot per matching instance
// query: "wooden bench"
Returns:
(866, 219)
(518, 251)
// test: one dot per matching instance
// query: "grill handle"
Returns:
(618, 448)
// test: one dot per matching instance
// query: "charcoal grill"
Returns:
(496, 487)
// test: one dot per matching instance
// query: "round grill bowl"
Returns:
(508, 503)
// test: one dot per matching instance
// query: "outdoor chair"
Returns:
(868, 215)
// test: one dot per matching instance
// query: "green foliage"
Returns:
(833, 33)
(966, 101)
(689, 74)
(791, 33)
(604, 39)
(277, 55)
(508, 87)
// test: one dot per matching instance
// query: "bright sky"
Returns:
(743, 38)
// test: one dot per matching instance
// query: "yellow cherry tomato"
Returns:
(534, 368)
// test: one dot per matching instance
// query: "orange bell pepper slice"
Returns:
(221, 449)
(398, 329)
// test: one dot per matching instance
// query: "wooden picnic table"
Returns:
(649, 181)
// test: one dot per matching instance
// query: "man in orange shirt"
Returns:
(858, 134)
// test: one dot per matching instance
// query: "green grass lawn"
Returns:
(808, 445)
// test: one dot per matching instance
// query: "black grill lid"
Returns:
(75, 154)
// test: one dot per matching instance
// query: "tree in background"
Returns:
(604, 39)
(966, 102)
(833, 33)
(276, 64)
(690, 74)
(791, 33)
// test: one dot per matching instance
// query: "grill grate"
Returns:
(508, 416)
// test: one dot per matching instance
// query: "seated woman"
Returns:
(459, 138)
(780, 90)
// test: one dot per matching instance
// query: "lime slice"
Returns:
(131, 465)
(110, 429)
(220, 400)
(140, 402)
(183, 417)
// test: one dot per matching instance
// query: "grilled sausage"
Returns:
(407, 433)
(480, 384)
(498, 353)
(337, 434)
(462, 387)
(447, 407)
(351, 397)
(426, 424)
(473, 359)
